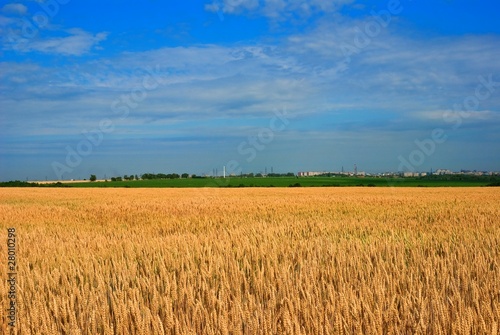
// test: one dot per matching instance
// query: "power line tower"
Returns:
(355, 170)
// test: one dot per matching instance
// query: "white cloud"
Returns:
(276, 9)
(393, 77)
(6, 21)
(15, 8)
(78, 42)
(232, 6)
(443, 115)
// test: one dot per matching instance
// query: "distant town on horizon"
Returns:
(263, 174)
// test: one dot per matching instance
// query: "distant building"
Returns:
(414, 174)
(324, 173)
(443, 171)
(309, 173)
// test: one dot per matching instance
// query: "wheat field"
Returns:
(254, 261)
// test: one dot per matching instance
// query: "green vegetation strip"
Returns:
(432, 181)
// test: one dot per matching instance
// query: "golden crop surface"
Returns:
(254, 261)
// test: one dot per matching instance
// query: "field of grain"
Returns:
(254, 261)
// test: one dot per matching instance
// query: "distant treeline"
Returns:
(278, 179)
(156, 176)
(149, 176)
(18, 183)
(461, 177)
(493, 180)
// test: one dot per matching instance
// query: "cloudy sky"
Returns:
(128, 87)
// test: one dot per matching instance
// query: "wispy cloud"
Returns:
(276, 9)
(395, 89)
(76, 42)
(15, 8)
(394, 76)
(439, 116)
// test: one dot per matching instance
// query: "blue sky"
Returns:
(125, 87)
